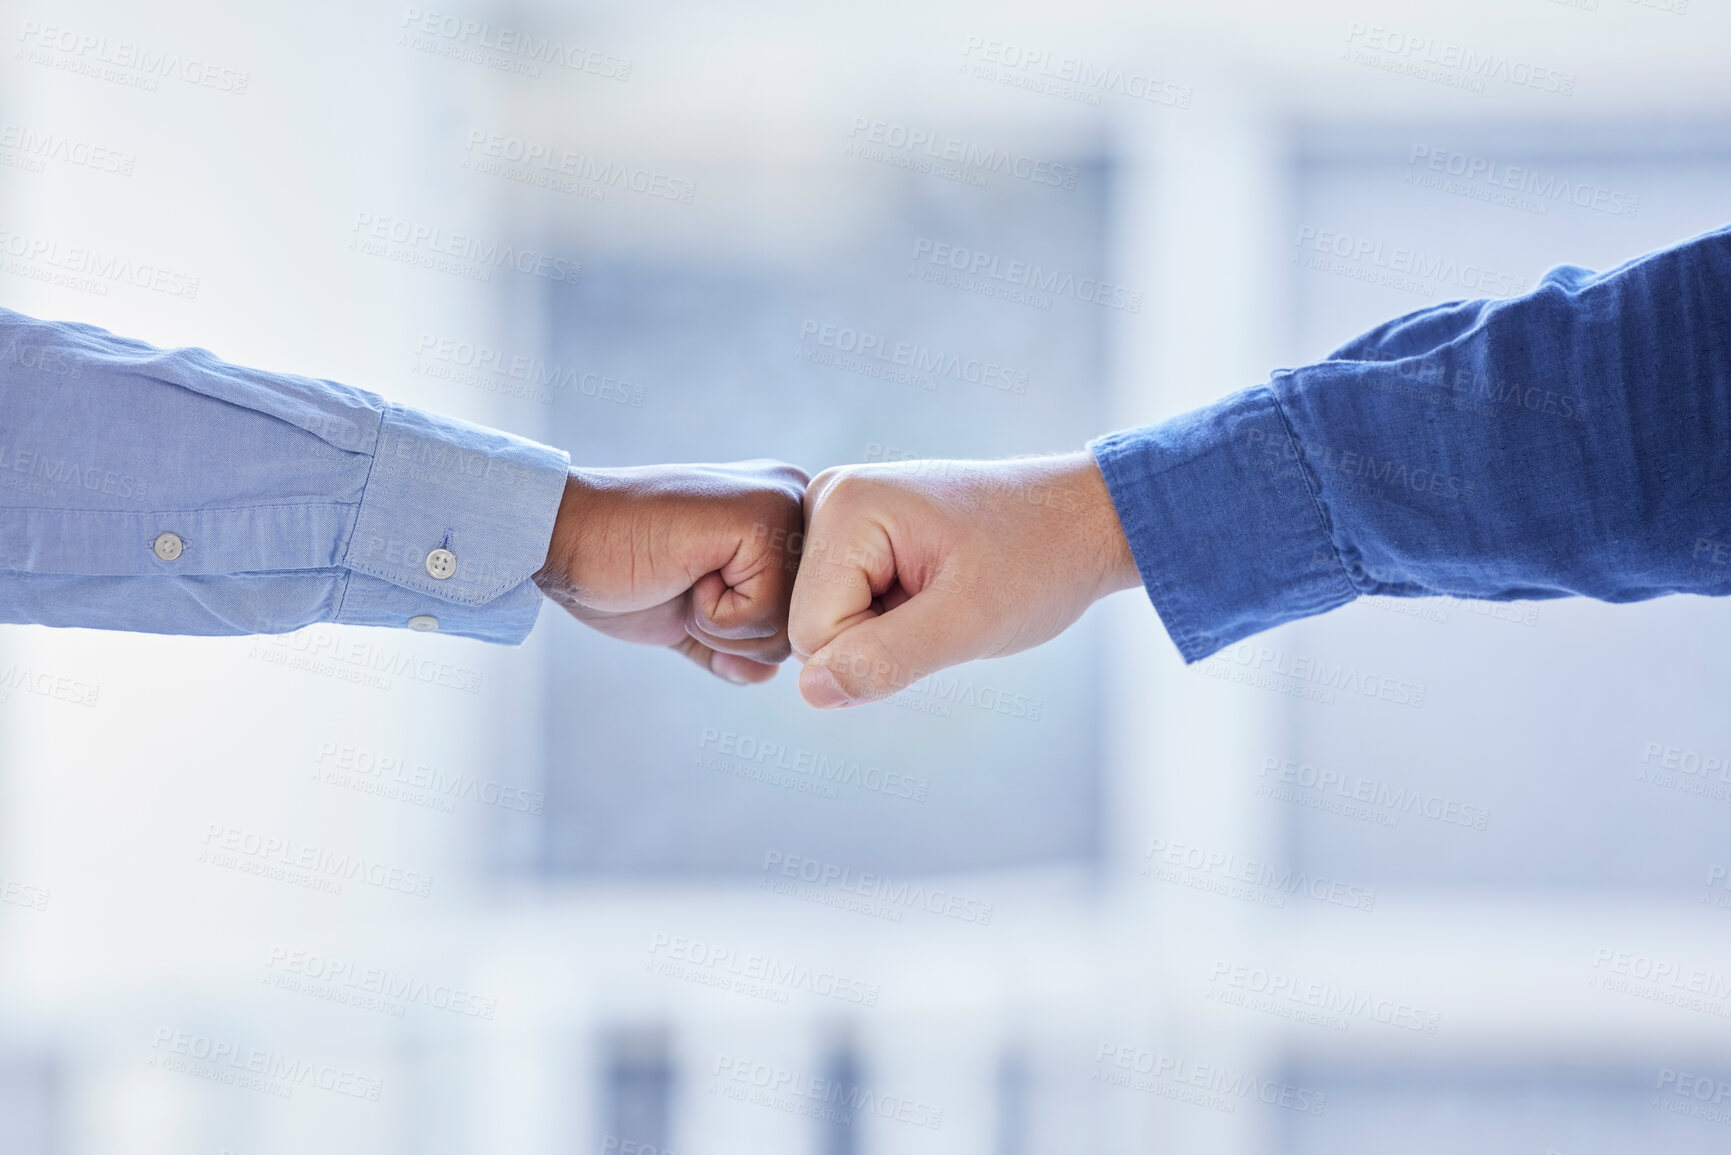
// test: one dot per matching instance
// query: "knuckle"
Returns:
(804, 638)
(778, 506)
(845, 486)
(840, 485)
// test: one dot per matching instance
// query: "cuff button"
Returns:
(168, 546)
(423, 623)
(441, 564)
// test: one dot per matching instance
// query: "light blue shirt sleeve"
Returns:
(166, 491)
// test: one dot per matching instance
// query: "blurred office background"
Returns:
(357, 891)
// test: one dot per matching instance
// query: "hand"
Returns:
(912, 566)
(698, 557)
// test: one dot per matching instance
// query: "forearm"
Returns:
(285, 500)
(1575, 440)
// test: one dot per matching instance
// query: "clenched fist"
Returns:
(912, 566)
(697, 557)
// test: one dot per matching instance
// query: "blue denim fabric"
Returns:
(1575, 440)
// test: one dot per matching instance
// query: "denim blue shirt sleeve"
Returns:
(1575, 440)
(289, 500)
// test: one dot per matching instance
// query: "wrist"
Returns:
(556, 577)
(1097, 530)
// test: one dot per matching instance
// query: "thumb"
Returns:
(889, 652)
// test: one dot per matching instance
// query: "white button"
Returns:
(423, 623)
(167, 546)
(441, 563)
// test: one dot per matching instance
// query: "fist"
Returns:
(698, 557)
(912, 566)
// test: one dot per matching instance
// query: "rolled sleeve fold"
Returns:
(1227, 535)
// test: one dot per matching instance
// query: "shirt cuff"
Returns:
(1223, 521)
(453, 522)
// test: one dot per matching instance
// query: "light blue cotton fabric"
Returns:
(296, 500)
